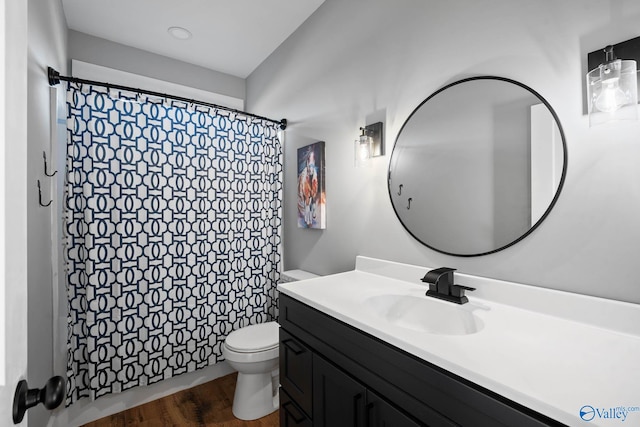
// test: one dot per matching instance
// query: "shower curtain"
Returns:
(173, 229)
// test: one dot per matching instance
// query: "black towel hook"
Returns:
(44, 156)
(40, 197)
(409, 203)
(400, 190)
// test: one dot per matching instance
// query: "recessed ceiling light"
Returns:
(179, 33)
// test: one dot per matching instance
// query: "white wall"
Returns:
(13, 242)
(103, 52)
(357, 60)
(47, 31)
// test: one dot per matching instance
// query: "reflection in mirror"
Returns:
(477, 166)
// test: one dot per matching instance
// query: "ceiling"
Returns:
(231, 36)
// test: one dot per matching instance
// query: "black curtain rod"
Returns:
(55, 78)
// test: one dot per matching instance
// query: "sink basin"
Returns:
(425, 314)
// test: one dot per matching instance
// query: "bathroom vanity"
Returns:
(368, 348)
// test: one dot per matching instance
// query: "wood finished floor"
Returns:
(207, 405)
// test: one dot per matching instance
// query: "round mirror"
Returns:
(477, 166)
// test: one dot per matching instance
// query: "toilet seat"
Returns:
(251, 357)
(254, 338)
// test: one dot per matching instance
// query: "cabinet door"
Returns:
(296, 370)
(338, 399)
(380, 413)
(290, 414)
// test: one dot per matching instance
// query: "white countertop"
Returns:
(554, 352)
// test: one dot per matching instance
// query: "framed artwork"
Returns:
(311, 194)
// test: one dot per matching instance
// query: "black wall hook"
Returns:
(409, 203)
(44, 156)
(40, 197)
(51, 396)
(400, 190)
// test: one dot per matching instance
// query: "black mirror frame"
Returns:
(555, 197)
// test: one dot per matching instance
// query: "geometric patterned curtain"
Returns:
(172, 235)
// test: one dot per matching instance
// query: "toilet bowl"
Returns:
(253, 352)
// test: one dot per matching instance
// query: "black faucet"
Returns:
(441, 286)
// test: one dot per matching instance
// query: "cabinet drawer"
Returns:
(382, 414)
(296, 371)
(290, 414)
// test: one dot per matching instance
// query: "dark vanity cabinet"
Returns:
(339, 400)
(296, 381)
(313, 386)
(334, 375)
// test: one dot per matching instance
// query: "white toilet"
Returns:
(253, 352)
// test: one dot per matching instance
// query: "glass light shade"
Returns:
(612, 91)
(363, 150)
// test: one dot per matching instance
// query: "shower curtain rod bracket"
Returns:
(55, 78)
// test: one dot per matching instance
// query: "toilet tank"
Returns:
(295, 275)
(290, 276)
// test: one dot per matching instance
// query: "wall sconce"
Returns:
(369, 144)
(612, 83)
